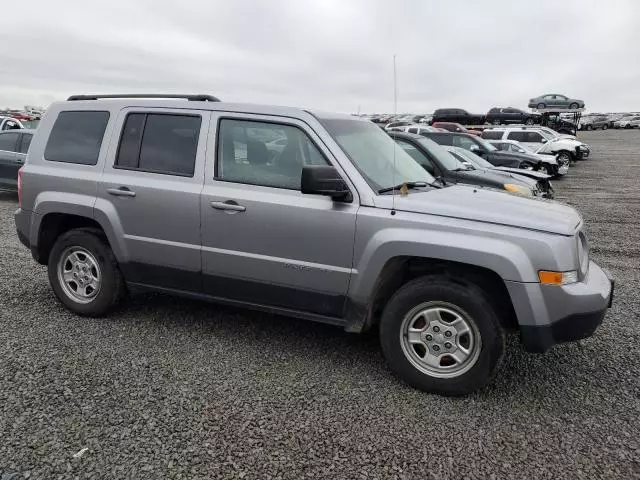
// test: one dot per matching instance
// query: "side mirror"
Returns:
(544, 140)
(324, 180)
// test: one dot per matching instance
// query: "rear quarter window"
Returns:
(76, 137)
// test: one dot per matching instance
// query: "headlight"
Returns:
(547, 277)
(510, 187)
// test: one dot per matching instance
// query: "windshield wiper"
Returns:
(409, 185)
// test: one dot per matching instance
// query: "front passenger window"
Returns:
(262, 153)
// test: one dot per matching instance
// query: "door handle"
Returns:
(229, 205)
(121, 192)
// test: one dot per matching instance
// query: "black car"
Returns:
(449, 169)
(504, 116)
(457, 115)
(484, 149)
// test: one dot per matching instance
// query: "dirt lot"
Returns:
(179, 389)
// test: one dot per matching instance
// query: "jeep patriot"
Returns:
(308, 214)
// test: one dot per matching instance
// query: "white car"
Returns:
(628, 122)
(542, 141)
(414, 128)
(10, 123)
(513, 146)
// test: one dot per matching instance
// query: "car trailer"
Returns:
(549, 118)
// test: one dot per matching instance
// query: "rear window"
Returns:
(492, 134)
(76, 137)
(159, 143)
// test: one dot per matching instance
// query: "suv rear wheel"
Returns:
(441, 336)
(84, 273)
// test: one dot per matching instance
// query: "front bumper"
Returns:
(563, 169)
(582, 152)
(573, 312)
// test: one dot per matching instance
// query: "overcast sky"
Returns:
(325, 54)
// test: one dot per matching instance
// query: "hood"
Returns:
(528, 157)
(526, 173)
(480, 176)
(490, 206)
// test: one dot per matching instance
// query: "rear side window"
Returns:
(492, 134)
(26, 141)
(159, 143)
(76, 137)
(8, 142)
(517, 136)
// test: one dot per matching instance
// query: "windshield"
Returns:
(445, 159)
(372, 152)
(548, 133)
(486, 144)
(470, 157)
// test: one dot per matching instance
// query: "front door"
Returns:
(9, 160)
(152, 180)
(263, 241)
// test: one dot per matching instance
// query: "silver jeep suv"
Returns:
(313, 215)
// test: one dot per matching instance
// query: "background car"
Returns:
(403, 123)
(455, 127)
(449, 169)
(555, 100)
(627, 122)
(504, 116)
(14, 145)
(543, 185)
(594, 122)
(10, 123)
(542, 140)
(516, 147)
(457, 115)
(418, 129)
(486, 150)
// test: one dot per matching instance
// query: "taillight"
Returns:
(20, 188)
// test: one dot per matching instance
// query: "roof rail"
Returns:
(191, 98)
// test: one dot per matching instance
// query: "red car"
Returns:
(455, 127)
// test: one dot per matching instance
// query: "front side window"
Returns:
(534, 137)
(418, 156)
(159, 143)
(378, 158)
(267, 154)
(463, 142)
(76, 137)
(8, 142)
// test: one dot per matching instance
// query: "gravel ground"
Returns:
(170, 388)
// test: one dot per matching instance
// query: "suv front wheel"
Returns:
(442, 336)
(84, 273)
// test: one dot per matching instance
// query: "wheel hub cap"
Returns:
(440, 339)
(79, 274)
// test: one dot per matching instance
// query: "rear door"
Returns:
(152, 181)
(263, 241)
(9, 159)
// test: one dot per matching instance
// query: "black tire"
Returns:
(565, 156)
(541, 106)
(573, 106)
(588, 127)
(496, 122)
(605, 126)
(467, 298)
(528, 121)
(112, 285)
